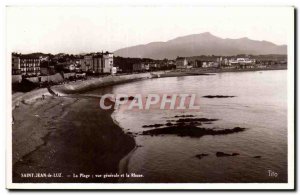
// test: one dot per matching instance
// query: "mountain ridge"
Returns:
(201, 44)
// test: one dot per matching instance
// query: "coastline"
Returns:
(94, 83)
(123, 164)
(36, 135)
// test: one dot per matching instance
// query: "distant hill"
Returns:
(201, 44)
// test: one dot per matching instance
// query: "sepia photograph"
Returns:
(150, 97)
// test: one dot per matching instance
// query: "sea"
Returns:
(259, 105)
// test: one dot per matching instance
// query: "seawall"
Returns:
(55, 78)
(86, 85)
(76, 87)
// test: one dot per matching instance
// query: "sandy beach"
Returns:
(68, 136)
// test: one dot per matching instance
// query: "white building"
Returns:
(108, 59)
(241, 61)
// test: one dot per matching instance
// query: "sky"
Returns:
(93, 29)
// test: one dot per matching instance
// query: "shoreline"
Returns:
(123, 163)
(94, 83)
(40, 139)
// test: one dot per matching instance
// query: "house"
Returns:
(140, 67)
(242, 63)
(114, 70)
(153, 66)
(205, 62)
(147, 67)
(16, 65)
(26, 65)
(225, 62)
(86, 63)
(233, 62)
(97, 63)
(245, 61)
(181, 63)
(108, 59)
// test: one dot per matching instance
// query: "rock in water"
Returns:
(190, 130)
(200, 156)
(222, 154)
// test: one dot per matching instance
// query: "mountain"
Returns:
(201, 44)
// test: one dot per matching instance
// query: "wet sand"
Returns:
(67, 136)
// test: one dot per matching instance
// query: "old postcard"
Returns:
(150, 97)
